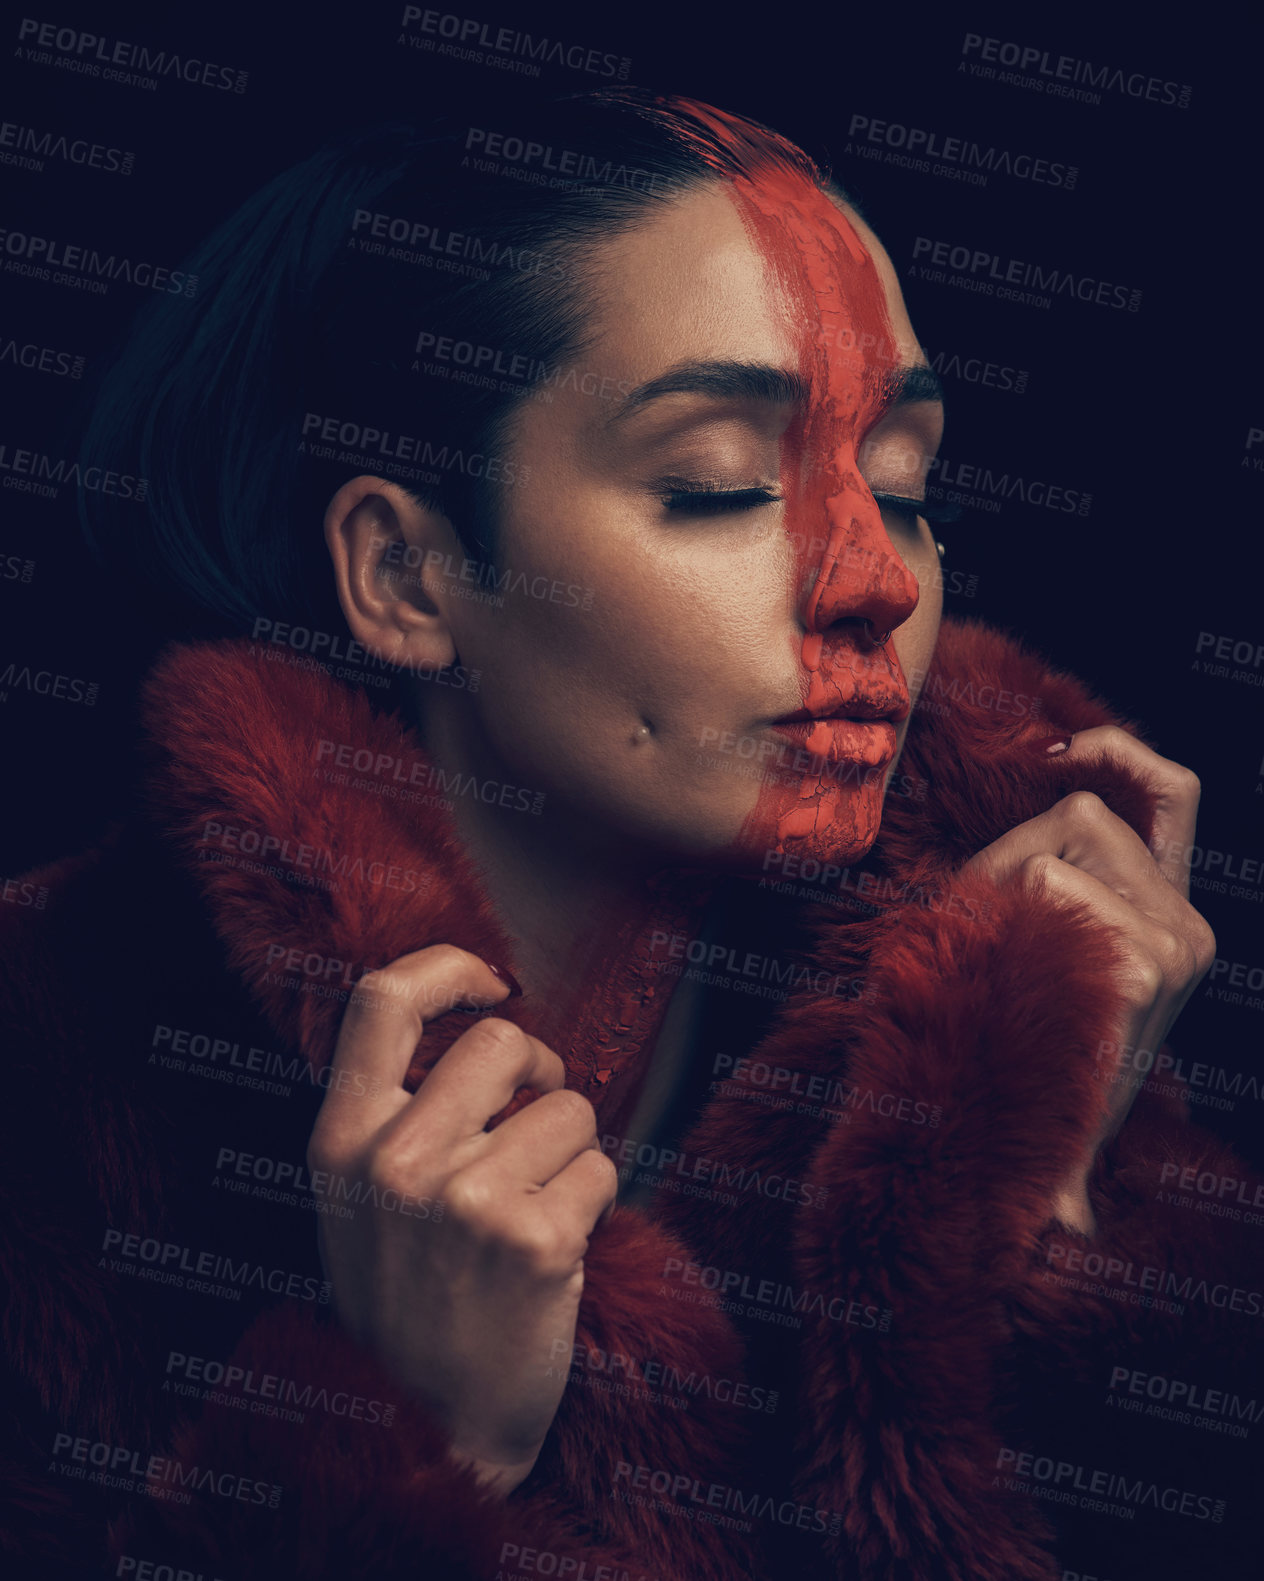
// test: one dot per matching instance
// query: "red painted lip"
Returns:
(861, 710)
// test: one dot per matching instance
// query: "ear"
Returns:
(388, 552)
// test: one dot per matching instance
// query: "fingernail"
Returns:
(508, 978)
(1049, 746)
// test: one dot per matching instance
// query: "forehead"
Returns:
(694, 277)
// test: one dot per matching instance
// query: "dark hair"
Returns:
(310, 301)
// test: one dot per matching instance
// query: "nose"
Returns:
(860, 576)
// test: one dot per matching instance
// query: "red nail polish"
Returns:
(1049, 746)
(508, 978)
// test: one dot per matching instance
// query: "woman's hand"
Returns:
(1079, 851)
(466, 1302)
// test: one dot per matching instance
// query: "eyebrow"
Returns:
(758, 381)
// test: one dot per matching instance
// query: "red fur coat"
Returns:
(956, 1376)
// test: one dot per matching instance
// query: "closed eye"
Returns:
(716, 502)
(927, 509)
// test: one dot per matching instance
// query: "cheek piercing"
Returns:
(641, 735)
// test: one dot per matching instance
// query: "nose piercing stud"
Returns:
(879, 639)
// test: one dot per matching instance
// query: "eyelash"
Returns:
(924, 508)
(717, 502)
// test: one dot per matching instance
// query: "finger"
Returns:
(478, 1076)
(582, 1193)
(1160, 961)
(1176, 790)
(383, 1023)
(1081, 830)
(541, 1140)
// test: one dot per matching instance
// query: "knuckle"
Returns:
(605, 1169)
(1184, 782)
(1040, 867)
(469, 1198)
(538, 1244)
(389, 1170)
(1144, 978)
(1084, 807)
(572, 1109)
(1204, 945)
(502, 1039)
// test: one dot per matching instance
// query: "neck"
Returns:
(591, 917)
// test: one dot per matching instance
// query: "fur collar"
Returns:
(320, 834)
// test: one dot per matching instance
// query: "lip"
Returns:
(862, 710)
(869, 740)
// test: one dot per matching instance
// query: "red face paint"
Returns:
(829, 285)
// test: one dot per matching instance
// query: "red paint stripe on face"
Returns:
(846, 570)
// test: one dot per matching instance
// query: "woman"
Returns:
(745, 1235)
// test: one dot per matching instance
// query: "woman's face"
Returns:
(696, 675)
